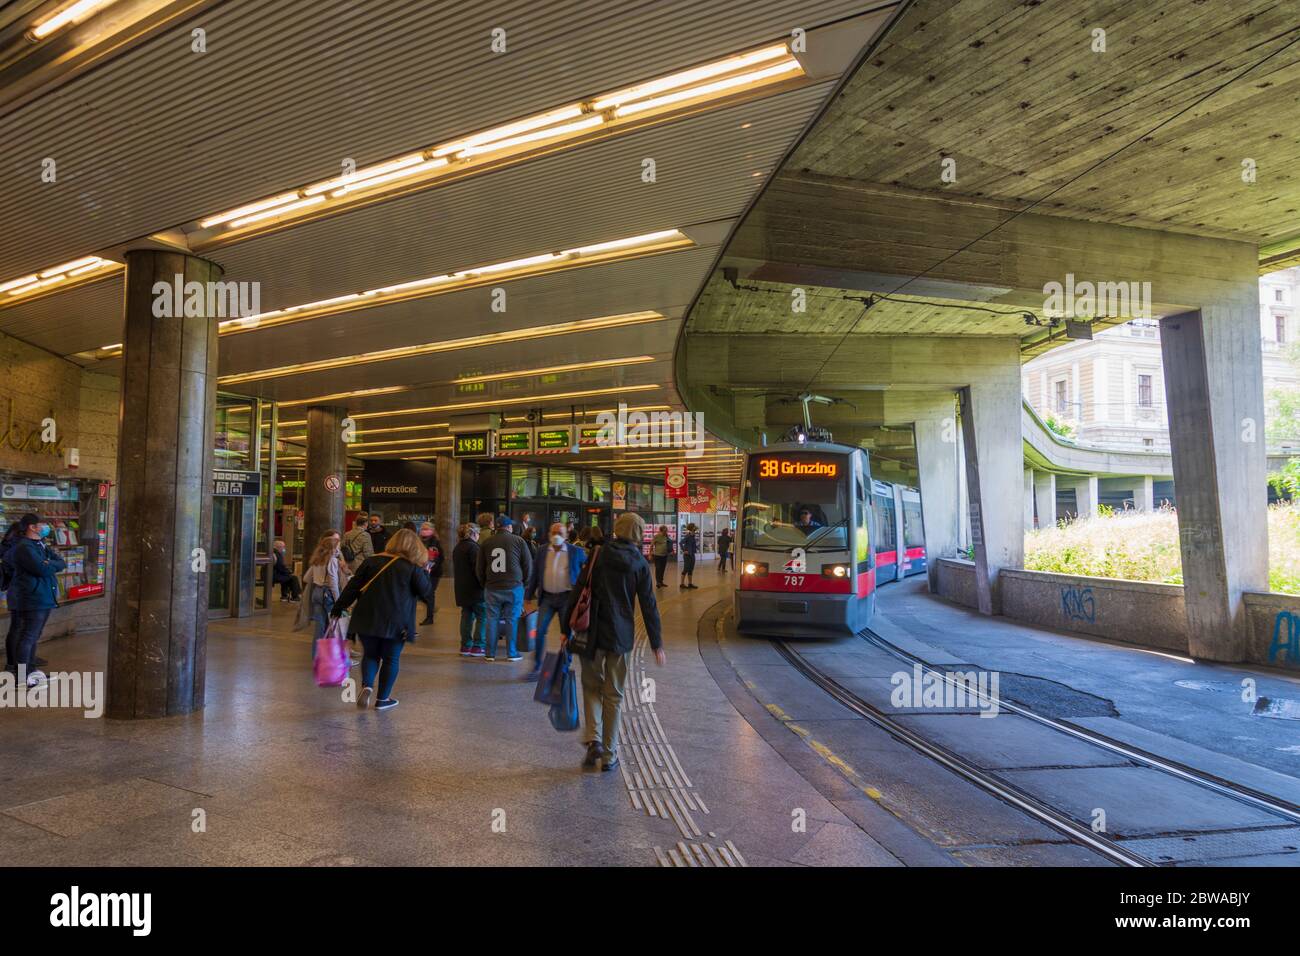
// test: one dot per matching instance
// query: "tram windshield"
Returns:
(796, 501)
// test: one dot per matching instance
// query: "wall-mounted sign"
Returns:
(333, 483)
(518, 441)
(675, 484)
(554, 441)
(589, 435)
(472, 445)
(236, 484)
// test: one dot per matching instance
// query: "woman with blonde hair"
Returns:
(326, 576)
(385, 589)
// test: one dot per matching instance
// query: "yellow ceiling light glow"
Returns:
(469, 379)
(66, 17)
(771, 69)
(448, 345)
(85, 268)
(501, 402)
(667, 240)
(559, 128)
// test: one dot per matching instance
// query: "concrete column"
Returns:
(1144, 494)
(158, 624)
(936, 455)
(324, 484)
(990, 420)
(1029, 499)
(1085, 497)
(1045, 498)
(447, 505)
(1213, 366)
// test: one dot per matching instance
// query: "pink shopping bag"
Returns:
(331, 664)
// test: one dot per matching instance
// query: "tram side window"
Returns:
(863, 548)
(913, 530)
(888, 531)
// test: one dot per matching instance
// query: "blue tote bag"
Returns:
(564, 715)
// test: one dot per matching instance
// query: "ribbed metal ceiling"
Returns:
(160, 136)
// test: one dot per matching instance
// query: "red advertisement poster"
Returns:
(675, 484)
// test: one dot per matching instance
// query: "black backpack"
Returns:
(348, 554)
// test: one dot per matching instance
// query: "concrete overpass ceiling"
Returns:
(157, 137)
(1016, 95)
(1117, 166)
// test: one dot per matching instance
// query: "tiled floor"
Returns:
(466, 771)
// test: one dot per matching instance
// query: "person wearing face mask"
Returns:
(429, 538)
(33, 592)
(554, 573)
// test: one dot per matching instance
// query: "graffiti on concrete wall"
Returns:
(1288, 624)
(1077, 605)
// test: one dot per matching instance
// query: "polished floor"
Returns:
(730, 757)
(467, 770)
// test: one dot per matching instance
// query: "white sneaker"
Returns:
(36, 678)
(363, 699)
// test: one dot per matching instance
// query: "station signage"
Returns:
(518, 441)
(236, 484)
(553, 441)
(472, 445)
(797, 468)
(589, 435)
(675, 483)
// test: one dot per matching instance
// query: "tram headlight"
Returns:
(837, 572)
(755, 568)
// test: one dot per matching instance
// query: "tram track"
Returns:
(1073, 829)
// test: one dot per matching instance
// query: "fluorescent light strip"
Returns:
(712, 89)
(688, 77)
(498, 403)
(67, 16)
(449, 345)
(473, 379)
(77, 268)
(666, 240)
(567, 125)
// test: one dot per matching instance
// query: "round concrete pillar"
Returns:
(324, 494)
(158, 625)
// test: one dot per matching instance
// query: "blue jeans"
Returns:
(25, 631)
(322, 602)
(548, 606)
(502, 605)
(471, 626)
(382, 656)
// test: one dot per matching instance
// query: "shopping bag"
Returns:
(526, 636)
(548, 689)
(331, 664)
(564, 715)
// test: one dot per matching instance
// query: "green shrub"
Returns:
(1143, 546)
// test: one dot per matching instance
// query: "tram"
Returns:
(817, 536)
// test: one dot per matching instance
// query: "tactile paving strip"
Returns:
(654, 776)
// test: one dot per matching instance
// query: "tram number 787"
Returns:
(794, 580)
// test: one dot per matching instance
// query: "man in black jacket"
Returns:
(469, 593)
(505, 562)
(620, 578)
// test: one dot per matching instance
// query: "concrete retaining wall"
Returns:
(1274, 629)
(957, 581)
(1136, 612)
